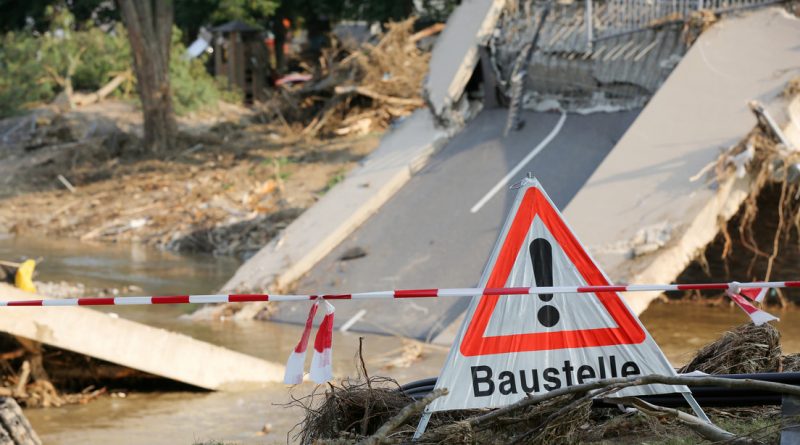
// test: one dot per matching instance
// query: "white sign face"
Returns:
(510, 345)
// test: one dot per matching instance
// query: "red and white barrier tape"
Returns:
(392, 294)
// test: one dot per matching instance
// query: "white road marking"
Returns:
(355, 318)
(521, 164)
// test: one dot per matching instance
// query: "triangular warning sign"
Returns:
(512, 345)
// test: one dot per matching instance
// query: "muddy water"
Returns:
(119, 265)
(184, 418)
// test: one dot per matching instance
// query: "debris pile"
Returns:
(364, 408)
(375, 410)
(227, 188)
(357, 90)
(745, 350)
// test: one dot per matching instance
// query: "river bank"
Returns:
(227, 188)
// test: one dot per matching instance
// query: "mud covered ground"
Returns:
(229, 185)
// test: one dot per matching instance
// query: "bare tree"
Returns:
(149, 24)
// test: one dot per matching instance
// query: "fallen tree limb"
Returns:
(380, 436)
(617, 384)
(427, 32)
(87, 99)
(379, 97)
(706, 430)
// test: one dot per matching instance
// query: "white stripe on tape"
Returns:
(133, 300)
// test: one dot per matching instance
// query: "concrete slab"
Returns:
(124, 342)
(455, 54)
(322, 227)
(643, 188)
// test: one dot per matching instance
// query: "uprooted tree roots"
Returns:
(762, 240)
(374, 410)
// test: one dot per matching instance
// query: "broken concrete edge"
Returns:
(669, 261)
(134, 345)
(792, 129)
(401, 153)
(676, 256)
(455, 53)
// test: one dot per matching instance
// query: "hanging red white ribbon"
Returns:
(758, 316)
(321, 362)
(296, 364)
(755, 294)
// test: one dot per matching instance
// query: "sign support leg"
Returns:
(422, 425)
(696, 407)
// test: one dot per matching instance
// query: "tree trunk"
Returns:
(149, 25)
(14, 426)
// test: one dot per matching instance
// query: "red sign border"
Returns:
(474, 343)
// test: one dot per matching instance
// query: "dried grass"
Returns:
(790, 363)
(354, 409)
(746, 349)
(697, 23)
(792, 88)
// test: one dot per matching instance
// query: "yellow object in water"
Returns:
(24, 277)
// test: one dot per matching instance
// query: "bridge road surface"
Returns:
(427, 237)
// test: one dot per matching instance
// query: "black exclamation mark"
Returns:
(542, 258)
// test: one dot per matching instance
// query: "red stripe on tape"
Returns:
(338, 297)
(171, 299)
(416, 293)
(792, 284)
(25, 303)
(245, 298)
(95, 301)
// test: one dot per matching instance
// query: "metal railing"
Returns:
(611, 18)
(595, 53)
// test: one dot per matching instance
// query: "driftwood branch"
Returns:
(378, 96)
(105, 90)
(427, 32)
(24, 376)
(706, 430)
(625, 382)
(409, 410)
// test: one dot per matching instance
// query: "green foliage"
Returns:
(34, 68)
(193, 87)
(251, 11)
(19, 67)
